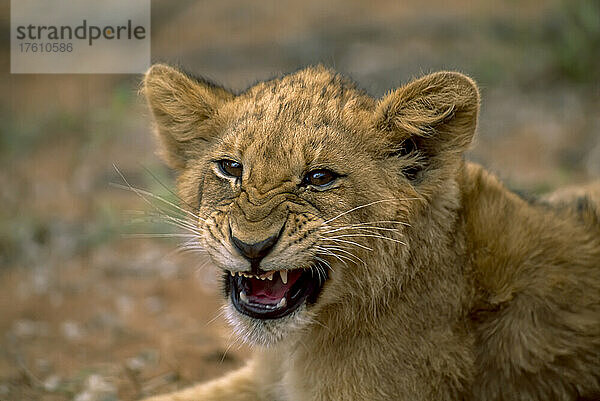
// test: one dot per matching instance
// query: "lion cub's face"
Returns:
(300, 183)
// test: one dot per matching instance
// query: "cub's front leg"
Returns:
(239, 385)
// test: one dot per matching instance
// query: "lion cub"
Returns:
(365, 259)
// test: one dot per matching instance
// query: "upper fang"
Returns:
(283, 276)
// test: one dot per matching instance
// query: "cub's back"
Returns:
(582, 200)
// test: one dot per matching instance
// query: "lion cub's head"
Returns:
(303, 187)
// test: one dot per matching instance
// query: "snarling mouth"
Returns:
(274, 294)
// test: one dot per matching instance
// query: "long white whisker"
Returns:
(192, 244)
(357, 208)
(334, 248)
(326, 263)
(360, 228)
(348, 242)
(217, 316)
(183, 221)
(343, 258)
(184, 249)
(165, 187)
(139, 192)
(189, 229)
(200, 251)
(321, 269)
(328, 252)
(369, 235)
(228, 348)
(142, 194)
(159, 235)
(202, 265)
(319, 323)
(382, 222)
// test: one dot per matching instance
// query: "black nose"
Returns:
(255, 252)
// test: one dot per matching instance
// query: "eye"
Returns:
(320, 178)
(230, 168)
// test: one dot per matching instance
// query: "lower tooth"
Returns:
(281, 303)
(243, 297)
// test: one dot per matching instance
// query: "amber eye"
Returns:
(320, 178)
(230, 168)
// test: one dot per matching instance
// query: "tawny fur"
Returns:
(484, 296)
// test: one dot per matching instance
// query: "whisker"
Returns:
(334, 248)
(199, 251)
(184, 219)
(369, 204)
(360, 228)
(183, 249)
(328, 252)
(136, 212)
(158, 235)
(324, 262)
(320, 323)
(189, 229)
(161, 218)
(228, 348)
(347, 242)
(218, 315)
(383, 222)
(357, 208)
(141, 192)
(322, 272)
(165, 187)
(190, 246)
(202, 265)
(339, 257)
(181, 223)
(312, 273)
(369, 235)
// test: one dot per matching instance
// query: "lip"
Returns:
(305, 290)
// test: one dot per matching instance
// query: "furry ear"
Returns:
(182, 107)
(429, 122)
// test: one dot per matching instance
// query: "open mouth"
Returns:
(273, 294)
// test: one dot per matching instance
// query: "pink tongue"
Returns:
(266, 291)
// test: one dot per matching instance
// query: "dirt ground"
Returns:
(91, 309)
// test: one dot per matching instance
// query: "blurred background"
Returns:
(89, 312)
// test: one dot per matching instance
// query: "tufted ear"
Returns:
(430, 122)
(182, 107)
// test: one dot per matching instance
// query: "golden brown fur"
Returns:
(472, 294)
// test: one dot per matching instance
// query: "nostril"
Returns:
(256, 250)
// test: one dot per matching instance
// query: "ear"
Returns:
(182, 107)
(430, 122)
